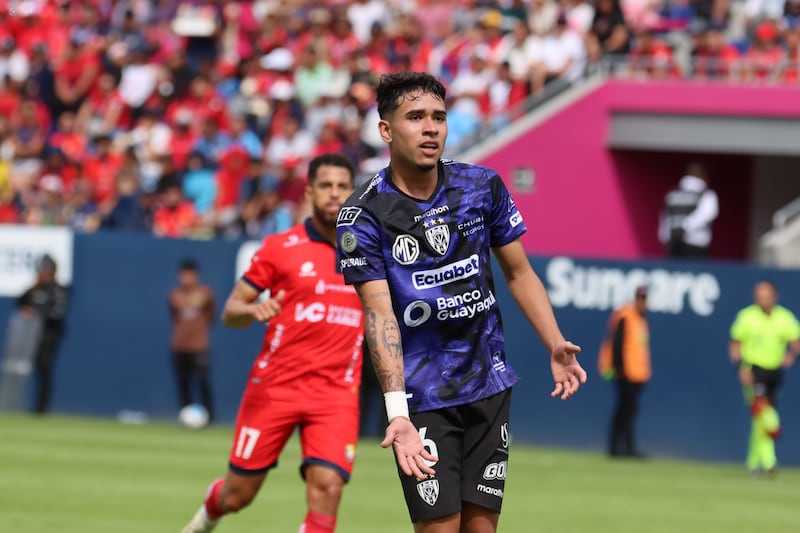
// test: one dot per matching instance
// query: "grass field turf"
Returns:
(75, 475)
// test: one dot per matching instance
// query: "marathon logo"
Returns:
(433, 211)
(489, 490)
(428, 279)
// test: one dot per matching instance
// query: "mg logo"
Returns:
(405, 249)
(312, 313)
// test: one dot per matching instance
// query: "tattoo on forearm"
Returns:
(385, 350)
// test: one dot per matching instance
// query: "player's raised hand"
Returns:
(270, 308)
(567, 372)
(408, 448)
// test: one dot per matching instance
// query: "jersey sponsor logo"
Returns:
(314, 312)
(497, 362)
(294, 240)
(495, 471)
(349, 241)
(372, 184)
(438, 235)
(417, 313)
(323, 287)
(439, 210)
(515, 219)
(331, 314)
(465, 305)
(350, 262)
(463, 269)
(348, 216)
(429, 491)
(307, 270)
(343, 316)
(489, 490)
(405, 249)
(350, 452)
(471, 226)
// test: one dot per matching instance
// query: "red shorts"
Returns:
(328, 432)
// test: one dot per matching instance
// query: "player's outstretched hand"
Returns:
(567, 372)
(411, 453)
(270, 308)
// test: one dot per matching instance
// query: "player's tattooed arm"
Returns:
(382, 334)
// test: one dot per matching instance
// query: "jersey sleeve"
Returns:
(359, 250)
(506, 221)
(792, 327)
(738, 329)
(260, 273)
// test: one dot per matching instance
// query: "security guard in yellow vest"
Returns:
(625, 358)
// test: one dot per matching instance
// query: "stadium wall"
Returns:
(115, 356)
(594, 201)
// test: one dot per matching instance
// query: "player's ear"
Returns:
(385, 130)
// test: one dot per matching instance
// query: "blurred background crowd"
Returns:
(197, 118)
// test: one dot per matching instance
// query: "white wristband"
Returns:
(396, 404)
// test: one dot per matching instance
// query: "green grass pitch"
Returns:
(75, 475)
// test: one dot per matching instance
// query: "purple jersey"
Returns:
(435, 256)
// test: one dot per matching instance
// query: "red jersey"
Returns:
(313, 347)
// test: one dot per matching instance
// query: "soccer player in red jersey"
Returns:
(308, 371)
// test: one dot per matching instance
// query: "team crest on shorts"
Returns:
(438, 235)
(429, 491)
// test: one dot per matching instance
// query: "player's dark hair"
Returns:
(393, 87)
(331, 160)
(188, 265)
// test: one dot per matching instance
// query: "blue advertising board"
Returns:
(115, 355)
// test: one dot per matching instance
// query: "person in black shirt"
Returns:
(47, 299)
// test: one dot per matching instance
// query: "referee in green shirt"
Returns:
(765, 339)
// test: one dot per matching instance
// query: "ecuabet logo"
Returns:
(466, 268)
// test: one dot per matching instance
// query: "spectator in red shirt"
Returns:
(104, 109)
(652, 57)
(234, 164)
(29, 138)
(791, 39)
(328, 140)
(76, 73)
(765, 55)
(344, 42)
(203, 102)
(174, 216)
(101, 169)
(67, 139)
(182, 140)
(716, 58)
(68, 170)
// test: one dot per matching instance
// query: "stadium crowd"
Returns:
(197, 118)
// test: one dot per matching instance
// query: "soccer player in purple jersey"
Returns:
(415, 242)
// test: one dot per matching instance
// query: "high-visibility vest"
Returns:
(635, 347)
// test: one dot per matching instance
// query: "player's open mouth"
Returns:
(429, 149)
